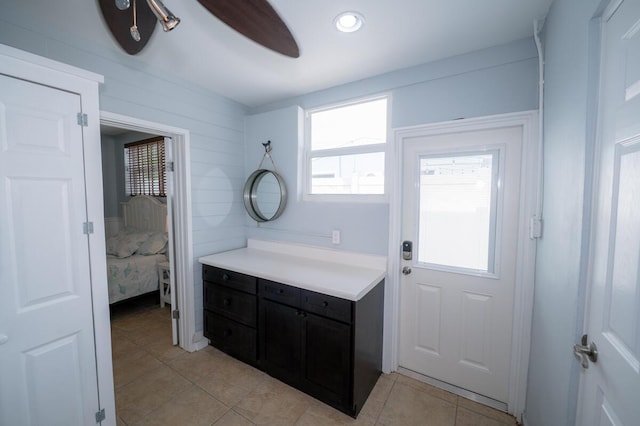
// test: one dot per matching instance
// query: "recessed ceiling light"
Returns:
(348, 22)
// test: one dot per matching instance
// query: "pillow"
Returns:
(156, 242)
(125, 245)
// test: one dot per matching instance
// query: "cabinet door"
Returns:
(327, 354)
(280, 335)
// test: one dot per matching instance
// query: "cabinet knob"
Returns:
(226, 302)
(226, 333)
(325, 303)
(280, 290)
(225, 277)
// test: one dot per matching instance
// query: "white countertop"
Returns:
(346, 275)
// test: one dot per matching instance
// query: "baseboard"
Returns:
(199, 341)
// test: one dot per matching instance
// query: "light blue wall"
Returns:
(216, 124)
(559, 296)
(109, 176)
(498, 80)
(307, 222)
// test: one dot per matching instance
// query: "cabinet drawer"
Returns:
(280, 292)
(327, 306)
(233, 304)
(231, 337)
(232, 279)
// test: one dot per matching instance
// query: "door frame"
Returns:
(182, 221)
(525, 259)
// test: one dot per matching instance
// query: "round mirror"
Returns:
(265, 195)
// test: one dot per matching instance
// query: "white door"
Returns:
(173, 288)
(610, 387)
(460, 210)
(47, 353)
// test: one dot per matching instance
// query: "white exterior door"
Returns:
(47, 347)
(460, 210)
(610, 387)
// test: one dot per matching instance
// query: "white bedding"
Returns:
(134, 252)
(132, 276)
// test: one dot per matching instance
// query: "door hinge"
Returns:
(87, 228)
(175, 314)
(170, 166)
(100, 416)
(535, 228)
(83, 120)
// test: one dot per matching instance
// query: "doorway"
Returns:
(460, 211)
(138, 199)
(182, 267)
(450, 303)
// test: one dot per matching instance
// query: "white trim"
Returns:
(525, 262)
(306, 156)
(48, 64)
(182, 220)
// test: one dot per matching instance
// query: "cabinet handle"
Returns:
(225, 277)
(226, 302)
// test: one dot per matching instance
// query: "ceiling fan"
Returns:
(132, 22)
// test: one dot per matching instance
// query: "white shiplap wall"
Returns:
(215, 124)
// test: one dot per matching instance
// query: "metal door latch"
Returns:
(586, 352)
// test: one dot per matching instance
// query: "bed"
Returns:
(135, 251)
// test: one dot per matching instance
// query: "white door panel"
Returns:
(173, 288)
(47, 364)
(609, 388)
(456, 306)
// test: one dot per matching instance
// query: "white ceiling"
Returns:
(397, 34)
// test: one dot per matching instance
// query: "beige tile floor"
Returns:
(160, 384)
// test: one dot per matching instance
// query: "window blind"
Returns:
(145, 172)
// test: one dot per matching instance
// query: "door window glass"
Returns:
(457, 210)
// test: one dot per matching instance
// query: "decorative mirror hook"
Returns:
(267, 153)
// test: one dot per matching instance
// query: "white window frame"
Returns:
(307, 155)
(497, 201)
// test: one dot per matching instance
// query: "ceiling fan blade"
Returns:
(257, 20)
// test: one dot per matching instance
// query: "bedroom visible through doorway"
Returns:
(138, 190)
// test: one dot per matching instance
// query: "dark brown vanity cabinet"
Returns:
(231, 312)
(328, 347)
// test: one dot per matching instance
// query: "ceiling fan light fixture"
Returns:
(168, 20)
(348, 22)
(123, 4)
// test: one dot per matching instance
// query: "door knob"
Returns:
(586, 352)
(406, 270)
